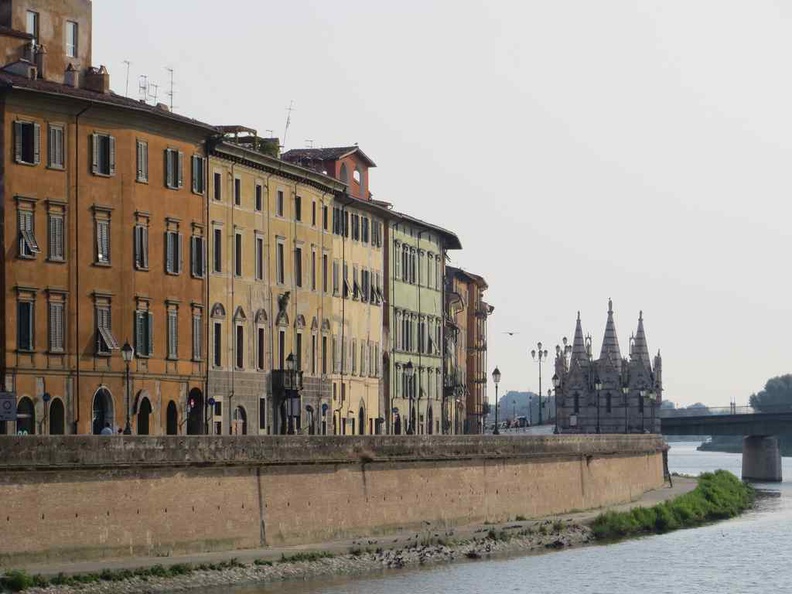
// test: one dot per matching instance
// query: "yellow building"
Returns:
(270, 289)
(357, 290)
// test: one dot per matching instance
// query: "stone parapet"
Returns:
(82, 452)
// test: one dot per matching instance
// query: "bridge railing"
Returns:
(670, 413)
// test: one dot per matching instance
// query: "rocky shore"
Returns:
(365, 556)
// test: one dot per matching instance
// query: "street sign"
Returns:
(8, 406)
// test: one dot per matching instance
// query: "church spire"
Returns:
(578, 344)
(640, 348)
(610, 343)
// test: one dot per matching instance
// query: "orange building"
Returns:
(103, 236)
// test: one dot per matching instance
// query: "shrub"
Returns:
(16, 581)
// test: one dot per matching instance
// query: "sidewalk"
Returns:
(392, 541)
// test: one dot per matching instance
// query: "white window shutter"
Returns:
(94, 153)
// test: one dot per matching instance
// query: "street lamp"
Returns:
(539, 356)
(408, 373)
(598, 388)
(556, 384)
(496, 376)
(127, 353)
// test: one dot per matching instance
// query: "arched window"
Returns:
(357, 176)
(195, 413)
(103, 411)
(26, 417)
(240, 421)
(172, 422)
(57, 417)
(144, 416)
(362, 421)
(577, 403)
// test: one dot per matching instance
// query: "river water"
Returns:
(752, 553)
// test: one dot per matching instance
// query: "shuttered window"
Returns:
(56, 243)
(142, 161)
(174, 169)
(57, 327)
(217, 251)
(105, 341)
(173, 334)
(197, 256)
(144, 333)
(198, 174)
(57, 153)
(259, 258)
(28, 246)
(27, 143)
(141, 247)
(197, 336)
(103, 242)
(25, 325)
(173, 252)
(103, 159)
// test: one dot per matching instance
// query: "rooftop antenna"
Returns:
(309, 142)
(153, 92)
(289, 111)
(128, 64)
(170, 91)
(143, 87)
(270, 133)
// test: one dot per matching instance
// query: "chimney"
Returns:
(71, 76)
(41, 61)
(97, 80)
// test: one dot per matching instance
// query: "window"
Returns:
(174, 169)
(142, 162)
(72, 30)
(335, 277)
(57, 151)
(237, 254)
(103, 241)
(27, 143)
(260, 346)
(313, 213)
(173, 332)
(173, 252)
(28, 246)
(259, 258)
(364, 233)
(313, 354)
(397, 260)
(298, 208)
(279, 204)
(324, 355)
(376, 233)
(141, 247)
(313, 269)
(346, 281)
(325, 217)
(240, 347)
(353, 354)
(103, 160)
(355, 285)
(218, 185)
(218, 344)
(32, 25)
(324, 272)
(25, 325)
(259, 197)
(298, 267)
(105, 341)
(217, 251)
(144, 331)
(355, 227)
(280, 263)
(57, 327)
(198, 166)
(281, 349)
(197, 334)
(197, 256)
(237, 191)
(298, 354)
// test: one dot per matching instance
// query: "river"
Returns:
(745, 555)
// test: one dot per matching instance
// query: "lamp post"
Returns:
(290, 385)
(556, 384)
(496, 376)
(127, 353)
(408, 373)
(598, 388)
(539, 356)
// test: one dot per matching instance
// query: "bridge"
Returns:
(761, 454)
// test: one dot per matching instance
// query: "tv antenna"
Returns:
(128, 64)
(143, 87)
(153, 92)
(289, 111)
(309, 142)
(170, 89)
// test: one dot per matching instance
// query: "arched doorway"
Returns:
(362, 421)
(397, 424)
(144, 416)
(195, 413)
(102, 410)
(429, 421)
(172, 420)
(309, 417)
(240, 421)
(26, 417)
(57, 417)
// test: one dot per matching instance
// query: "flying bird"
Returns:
(511, 333)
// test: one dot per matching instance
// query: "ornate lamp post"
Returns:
(408, 373)
(556, 385)
(496, 376)
(598, 388)
(127, 353)
(539, 356)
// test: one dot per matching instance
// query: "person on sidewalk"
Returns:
(107, 430)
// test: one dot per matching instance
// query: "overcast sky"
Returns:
(581, 150)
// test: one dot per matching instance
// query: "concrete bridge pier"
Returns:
(761, 459)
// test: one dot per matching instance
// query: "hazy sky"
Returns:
(581, 150)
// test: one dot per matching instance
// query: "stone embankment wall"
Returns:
(80, 497)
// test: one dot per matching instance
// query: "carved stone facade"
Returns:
(611, 394)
